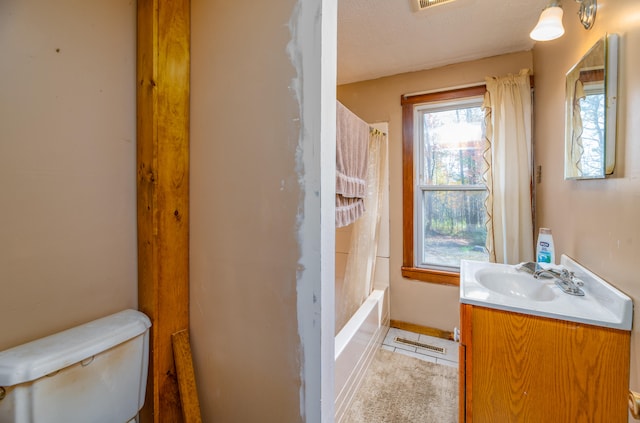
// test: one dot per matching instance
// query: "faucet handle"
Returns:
(566, 274)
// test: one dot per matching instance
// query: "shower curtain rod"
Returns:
(375, 131)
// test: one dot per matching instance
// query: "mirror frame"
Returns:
(610, 45)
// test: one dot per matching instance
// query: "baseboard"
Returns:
(424, 330)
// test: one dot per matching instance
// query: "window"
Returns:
(443, 191)
(592, 115)
(449, 192)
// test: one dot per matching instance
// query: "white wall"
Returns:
(67, 164)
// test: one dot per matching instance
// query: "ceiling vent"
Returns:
(420, 5)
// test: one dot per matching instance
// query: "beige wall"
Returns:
(595, 222)
(67, 172)
(67, 181)
(67, 164)
(245, 200)
(379, 100)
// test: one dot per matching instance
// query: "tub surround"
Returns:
(355, 346)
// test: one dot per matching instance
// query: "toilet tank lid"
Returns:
(44, 356)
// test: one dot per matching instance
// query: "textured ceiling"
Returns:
(385, 37)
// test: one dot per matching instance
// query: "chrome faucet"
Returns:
(564, 279)
(547, 273)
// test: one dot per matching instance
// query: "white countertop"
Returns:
(602, 304)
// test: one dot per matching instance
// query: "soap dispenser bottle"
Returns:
(544, 247)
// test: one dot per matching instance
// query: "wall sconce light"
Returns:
(587, 12)
(549, 25)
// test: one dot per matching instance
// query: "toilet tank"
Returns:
(95, 372)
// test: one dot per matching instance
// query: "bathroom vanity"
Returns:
(531, 353)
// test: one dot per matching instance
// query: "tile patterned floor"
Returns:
(449, 358)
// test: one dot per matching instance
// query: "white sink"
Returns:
(502, 287)
(509, 282)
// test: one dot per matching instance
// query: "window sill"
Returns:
(431, 276)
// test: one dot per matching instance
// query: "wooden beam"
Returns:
(163, 64)
(186, 377)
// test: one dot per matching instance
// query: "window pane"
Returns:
(592, 115)
(453, 224)
(453, 144)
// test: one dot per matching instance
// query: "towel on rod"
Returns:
(352, 148)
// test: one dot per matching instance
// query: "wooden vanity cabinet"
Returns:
(521, 368)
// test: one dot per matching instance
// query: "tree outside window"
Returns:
(449, 191)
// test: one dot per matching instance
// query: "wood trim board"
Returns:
(162, 104)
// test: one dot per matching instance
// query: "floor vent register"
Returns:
(429, 347)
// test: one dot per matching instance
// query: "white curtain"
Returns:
(508, 110)
(573, 133)
(363, 249)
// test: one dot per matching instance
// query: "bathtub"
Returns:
(355, 346)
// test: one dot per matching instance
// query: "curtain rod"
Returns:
(457, 87)
(376, 131)
(437, 90)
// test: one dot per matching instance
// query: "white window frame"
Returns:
(419, 189)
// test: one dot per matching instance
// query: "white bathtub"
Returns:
(355, 346)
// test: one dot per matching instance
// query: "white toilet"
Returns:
(92, 373)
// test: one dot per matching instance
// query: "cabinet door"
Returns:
(533, 369)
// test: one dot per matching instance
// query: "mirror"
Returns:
(590, 103)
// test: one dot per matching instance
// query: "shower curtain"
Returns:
(360, 267)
